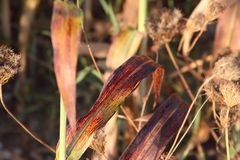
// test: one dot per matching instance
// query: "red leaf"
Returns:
(157, 75)
(121, 83)
(65, 33)
(155, 135)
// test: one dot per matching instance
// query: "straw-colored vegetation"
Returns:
(84, 79)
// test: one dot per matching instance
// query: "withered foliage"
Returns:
(203, 15)
(224, 88)
(65, 36)
(151, 141)
(122, 82)
(215, 9)
(163, 27)
(9, 64)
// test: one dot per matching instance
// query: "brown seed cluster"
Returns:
(9, 64)
(203, 14)
(225, 86)
(215, 8)
(224, 89)
(163, 27)
(99, 141)
(196, 22)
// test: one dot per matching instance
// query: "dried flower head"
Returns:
(163, 27)
(227, 67)
(196, 22)
(215, 8)
(225, 87)
(9, 64)
(205, 12)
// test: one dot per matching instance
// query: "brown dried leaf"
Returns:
(155, 135)
(157, 75)
(227, 32)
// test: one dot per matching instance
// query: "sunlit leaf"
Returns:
(157, 83)
(227, 32)
(121, 83)
(65, 34)
(129, 13)
(151, 141)
(124, 45)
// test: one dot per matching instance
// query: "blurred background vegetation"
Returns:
(33, 96)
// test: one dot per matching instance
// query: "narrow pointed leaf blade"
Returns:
(158, 76)
(65, 34)
(121, 83)
(158, 131)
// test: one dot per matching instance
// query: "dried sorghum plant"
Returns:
(163, 27)
(9, 64)
(224, 90)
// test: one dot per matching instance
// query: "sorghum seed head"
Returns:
(9, 64)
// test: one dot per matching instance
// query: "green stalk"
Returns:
(62, 139)
(142, 15)
(109, 11)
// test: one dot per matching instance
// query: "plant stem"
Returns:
(91, 54)
(129, 119)
(142, 15)
(109, 11)
(188, 128)
(173, 147)
(62, 139)
(184, 82)
(22, 125)
(226, 135)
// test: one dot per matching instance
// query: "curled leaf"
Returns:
(120, 84)
(65, 34)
